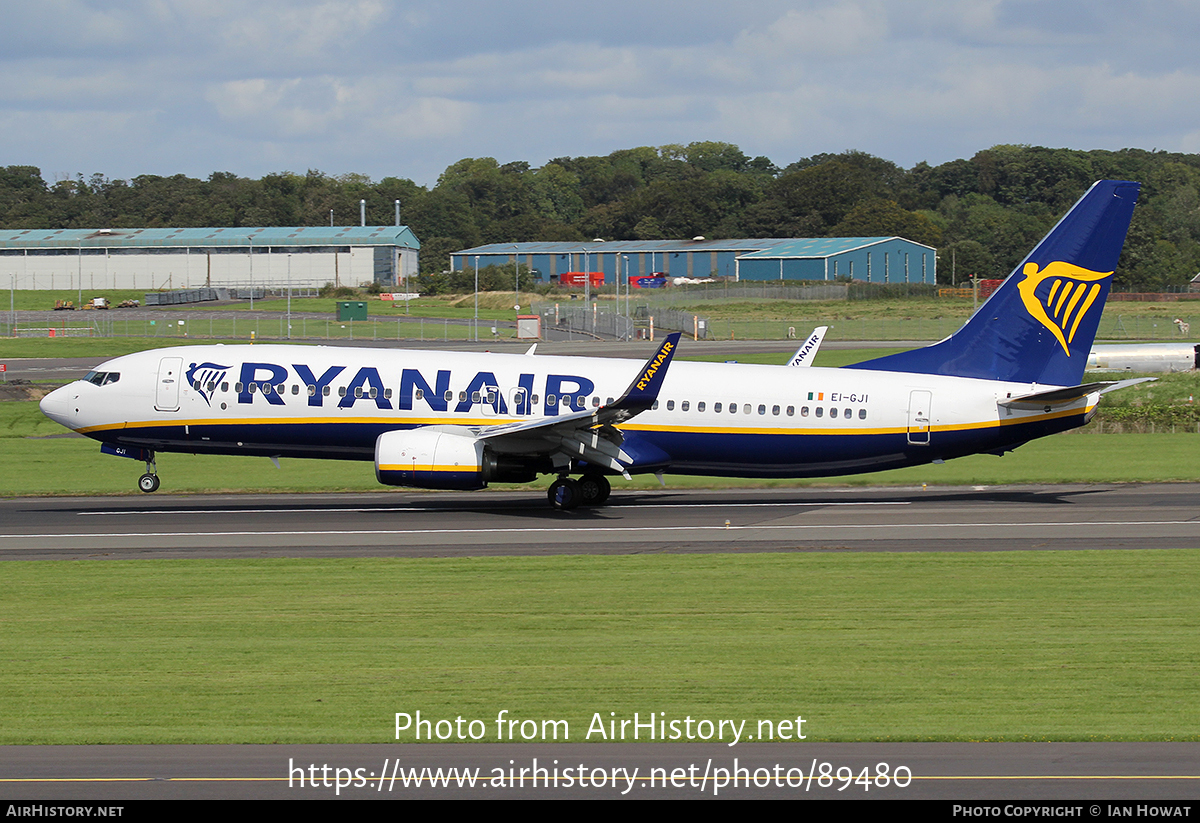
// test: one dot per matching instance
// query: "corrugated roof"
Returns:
(627, 246)
(168, 238)
(823, 246)
(753, 247)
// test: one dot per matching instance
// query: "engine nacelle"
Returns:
(430, 458)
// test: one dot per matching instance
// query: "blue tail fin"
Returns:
(1038, 327)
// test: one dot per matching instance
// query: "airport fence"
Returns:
(594, 324)
(169, 326)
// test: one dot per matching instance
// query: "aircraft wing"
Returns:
(590, 434)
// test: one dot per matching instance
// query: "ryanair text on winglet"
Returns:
(652, 369)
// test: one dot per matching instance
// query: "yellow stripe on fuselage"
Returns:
(632, 426)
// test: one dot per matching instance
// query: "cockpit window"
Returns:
(101, 378)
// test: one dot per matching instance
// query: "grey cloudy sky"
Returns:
(403, 89)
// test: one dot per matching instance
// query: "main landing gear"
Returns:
(590, 490)
(148, 482)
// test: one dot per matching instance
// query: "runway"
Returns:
(407, 524)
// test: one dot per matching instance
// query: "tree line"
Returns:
(982, 214)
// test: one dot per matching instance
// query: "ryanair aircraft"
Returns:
(452, 420)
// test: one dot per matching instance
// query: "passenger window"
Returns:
(462, 397)
(746, 408)
(357, 392)
(762, 409)
(341, 391)
(448, 396)
(325, 391)
(312, 391)
(534, 400)
(608, 402)
(211, 387)
(833, 412)
(595, 402)
(791, 411)
(195, 385)
(225, 387)
(237, 387)
(551, 400)
(847, 413)
(670, 405)
(655, 406)
(683, 406)
(387, 393)
(804, 411)
(580, 401)
(733, 408)
(820, 411)
(418, 394)
(296, 389)
(775, 410)
(862, 414)
(374, 393)
(253, 387)
(491, 397)
(717, 407)
(700, 406)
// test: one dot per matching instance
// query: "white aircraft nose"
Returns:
(59, 406)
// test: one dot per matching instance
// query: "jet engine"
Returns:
(444, 458)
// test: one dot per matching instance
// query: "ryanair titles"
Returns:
(558, 393)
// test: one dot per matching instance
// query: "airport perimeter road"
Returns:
(521, 523)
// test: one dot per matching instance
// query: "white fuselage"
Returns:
(711, 418)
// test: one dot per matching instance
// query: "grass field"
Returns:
(978, 646)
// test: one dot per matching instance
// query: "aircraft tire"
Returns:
(148, 483)
(595, 489)
(564, 494)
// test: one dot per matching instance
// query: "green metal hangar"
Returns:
(874, 259)
(153, 259)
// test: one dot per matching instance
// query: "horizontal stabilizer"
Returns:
(1071, 393)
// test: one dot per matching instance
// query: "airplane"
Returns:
(461, 420)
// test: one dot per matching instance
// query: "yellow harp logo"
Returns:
(1073, 289)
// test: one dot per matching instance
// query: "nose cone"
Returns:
(59, 405)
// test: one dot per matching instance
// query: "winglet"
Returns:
(808, 350)
(643, 391)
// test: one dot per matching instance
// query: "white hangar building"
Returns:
(153, 259)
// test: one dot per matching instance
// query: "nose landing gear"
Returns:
(148, 482)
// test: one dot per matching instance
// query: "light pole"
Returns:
(251, 239)
(626, 256)
(477, 298)
(516, 277)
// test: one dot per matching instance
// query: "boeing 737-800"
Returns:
(454, 420)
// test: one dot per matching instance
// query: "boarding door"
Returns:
(918, 417)
(170, 373)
